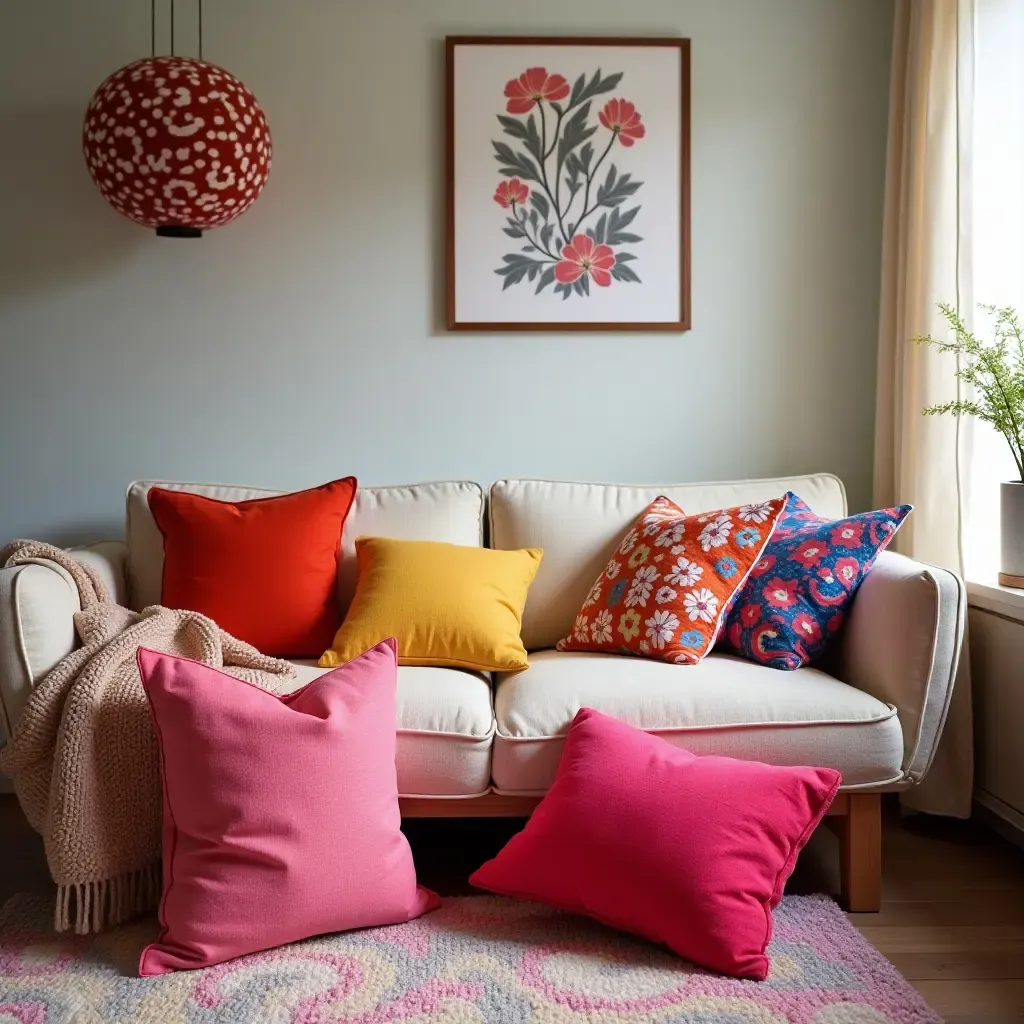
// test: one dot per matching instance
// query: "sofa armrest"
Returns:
(38, 602)
(901, 644)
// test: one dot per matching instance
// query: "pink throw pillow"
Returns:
(689, 851)
(281, 815)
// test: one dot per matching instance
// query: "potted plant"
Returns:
(994, 371)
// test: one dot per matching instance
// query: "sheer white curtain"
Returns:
(927, 259)
(954, 232)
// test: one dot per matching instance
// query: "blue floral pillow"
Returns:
(796, 596)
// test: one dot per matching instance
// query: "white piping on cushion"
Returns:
(677, 729)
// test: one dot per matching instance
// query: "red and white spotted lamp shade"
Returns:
(176, 144)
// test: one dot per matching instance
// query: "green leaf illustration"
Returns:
(533, 145)
(512, 126)
(616, 190)
(624, 257)
(545, 279)
(621, 272)
(577, 89)
(545, 235)
(514, 165)
(583, 90)
(538, 200)
(517, 266)
(575, 132)
(621, 220)
(514, 259)
(514, 232)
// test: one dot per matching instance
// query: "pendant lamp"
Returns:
(176, 144)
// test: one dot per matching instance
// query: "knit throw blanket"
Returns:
(84, 756)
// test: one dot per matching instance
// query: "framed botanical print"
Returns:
(568, 183)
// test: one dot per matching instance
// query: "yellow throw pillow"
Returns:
(445, 603)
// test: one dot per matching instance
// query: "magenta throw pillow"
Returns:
(281, 815)
(689, 851)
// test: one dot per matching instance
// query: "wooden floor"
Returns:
(952, 918)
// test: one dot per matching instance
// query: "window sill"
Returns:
(992, 596)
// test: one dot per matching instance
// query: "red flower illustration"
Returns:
(532, 86)
(806, 628)
(763, 566)
(810, 553)
(780, 593)
(750, 615)
(510, 191)
(734, 634)
(848, 535)
(846, 571)
(622, 120)
(584, 256)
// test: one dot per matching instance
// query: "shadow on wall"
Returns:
(57, 230)
(84, 532)
(438, 157)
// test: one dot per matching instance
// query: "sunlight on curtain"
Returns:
(998, 247)
(927, 253)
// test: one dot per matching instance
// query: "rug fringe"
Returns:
(92, 906)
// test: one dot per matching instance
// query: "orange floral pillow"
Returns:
(667, 590)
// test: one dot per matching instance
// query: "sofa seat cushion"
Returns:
(724, 705)
(445, 723)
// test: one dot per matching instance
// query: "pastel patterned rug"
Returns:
(477, 960)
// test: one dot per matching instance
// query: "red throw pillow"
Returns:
(264, 570)
(281, 816)
(689, 851)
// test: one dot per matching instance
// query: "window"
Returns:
(994, 245)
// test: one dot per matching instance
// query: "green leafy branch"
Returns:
(517, 266)
(581, 286)
(569, 132)
(612, 192)
(521, 225)
(555, 153)
(994, 370)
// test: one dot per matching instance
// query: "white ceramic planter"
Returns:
(1011, 533)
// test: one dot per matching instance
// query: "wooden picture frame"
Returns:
(546, 229)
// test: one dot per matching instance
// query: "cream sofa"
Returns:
(470, 746)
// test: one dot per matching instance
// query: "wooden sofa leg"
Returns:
(860, 852)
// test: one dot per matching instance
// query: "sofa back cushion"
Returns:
(579, 525)
(450, 511)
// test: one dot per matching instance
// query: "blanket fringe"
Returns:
(92, 906)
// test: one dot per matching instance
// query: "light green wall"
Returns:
(304, 342)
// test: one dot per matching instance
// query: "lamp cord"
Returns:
(152, 28)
